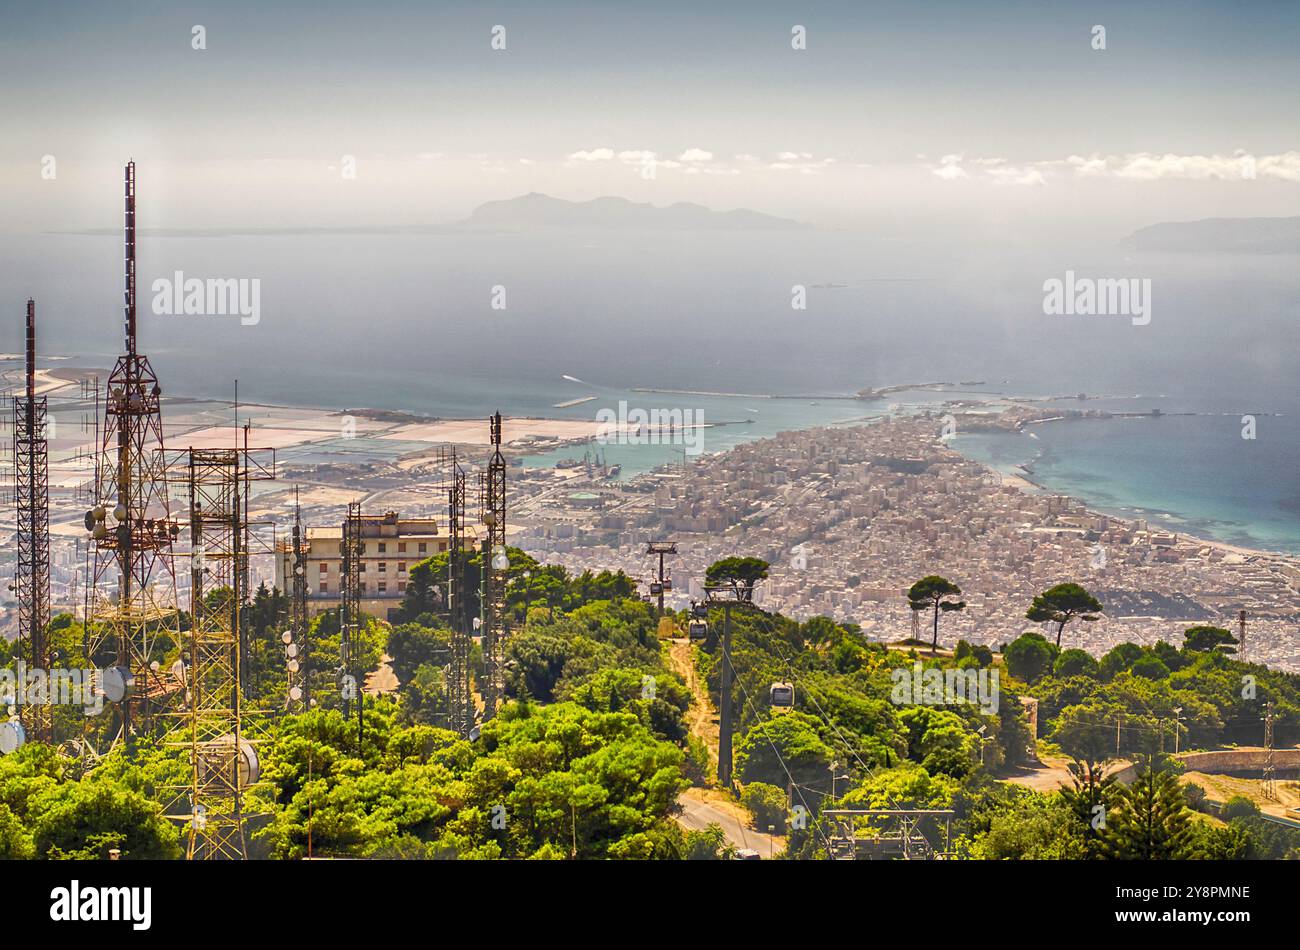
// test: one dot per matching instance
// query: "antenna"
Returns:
(31, 496)
(129, 278)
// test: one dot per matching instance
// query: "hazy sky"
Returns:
(895, 112)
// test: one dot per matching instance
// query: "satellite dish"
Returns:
(478, 622)
(475, 733)
(293, 666)
(286, 637)
(12, 736)
(291, 650)
(295, 693)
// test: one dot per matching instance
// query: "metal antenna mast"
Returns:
(350, 614)
(299, 625)
(131, 529)
(223, 760)
(495, 568)
(32, 577)
(1270, 766)
(460, 699)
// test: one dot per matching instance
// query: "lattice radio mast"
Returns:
(132, 604)
(350, 614)
(31, 495)
(460, 698)
(223, 760)
(495, 568)
(299, 697)
(1269, 784)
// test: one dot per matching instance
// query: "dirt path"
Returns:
(701, 718)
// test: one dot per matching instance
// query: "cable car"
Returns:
(781, 695)
(656, 588)
(700, 610)
(698, 630)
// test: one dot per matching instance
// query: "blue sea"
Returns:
(406, 322)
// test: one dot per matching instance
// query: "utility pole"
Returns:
(1178, 726)
(661, 548)
(1241, 637)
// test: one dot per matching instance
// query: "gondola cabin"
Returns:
(781, 696)
(698, 630)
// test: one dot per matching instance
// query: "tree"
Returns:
(1150, 821)
(929, 593)
(1205, 639)
(1029, 657)
(1075, 662)
(412, 646)
(767, 804)
(744, 572)
(1061, 604)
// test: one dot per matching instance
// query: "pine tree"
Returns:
(1150, 821)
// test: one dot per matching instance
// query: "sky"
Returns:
(894, 115)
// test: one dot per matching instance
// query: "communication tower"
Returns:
(32, 576)
(495, 567)
(132, 617)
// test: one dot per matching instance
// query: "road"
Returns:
(697, 813)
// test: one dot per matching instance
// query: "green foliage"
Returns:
(767, 804)
(1075, 662)
(1149, 820)
(929, 593)
(1029, 657)
(1203, 639)
(744, 572)
(1061, 604)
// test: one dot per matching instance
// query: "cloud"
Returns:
(695, 155)
(949, 168)
(1132, 166)
(592, 155)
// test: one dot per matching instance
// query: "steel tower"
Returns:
(32, 576)
(350, 615)
(223, 760)
(132, 618)
(496, 564)
(299, 624)
(460, 698)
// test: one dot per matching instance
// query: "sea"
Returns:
(780, 327)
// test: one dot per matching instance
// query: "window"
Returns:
(401, 547)
(401, 567)
(383, 548)
(383, 567)
(324, 568)
(324, 587)
(424, 548)
(383, 586)
(401, 586)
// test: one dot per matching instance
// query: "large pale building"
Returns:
(390, 547)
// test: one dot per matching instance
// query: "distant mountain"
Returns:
(1220, 235)
(537, 211)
